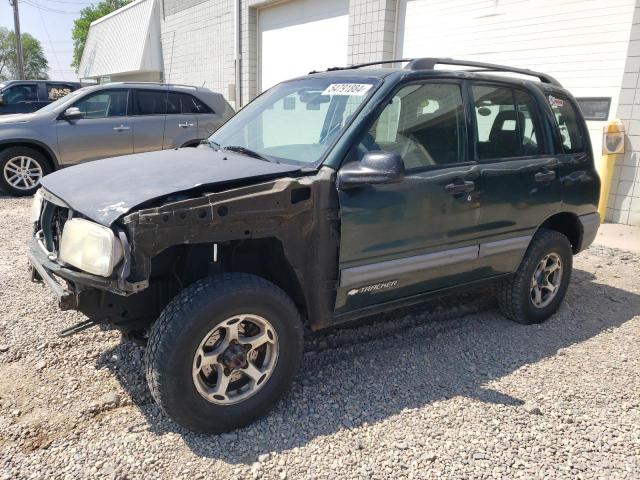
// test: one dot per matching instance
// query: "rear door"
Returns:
(150, 113)
(418, 235)
(181, 128)
(105, 130)
(520, 183)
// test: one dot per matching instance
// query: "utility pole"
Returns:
(16, 29)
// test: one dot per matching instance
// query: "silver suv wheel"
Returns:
(22, 172)
(235, 359)
(546, 280)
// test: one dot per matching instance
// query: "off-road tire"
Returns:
(514, 294)
(7, 154)
(185, 322)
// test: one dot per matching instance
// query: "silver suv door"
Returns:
(105, 129)
(149, 110)
(183, 118)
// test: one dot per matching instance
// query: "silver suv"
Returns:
(104, 121)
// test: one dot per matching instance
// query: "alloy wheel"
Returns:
(235, 359)
(546, 280)
(22, 172)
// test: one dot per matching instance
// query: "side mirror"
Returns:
(376, 168)
(72, 113)
(1, 99)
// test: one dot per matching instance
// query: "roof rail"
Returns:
(430, 63)
(360, 65)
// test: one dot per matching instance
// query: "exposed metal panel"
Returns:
(127, 40)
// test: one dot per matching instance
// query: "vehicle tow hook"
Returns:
(77, 328)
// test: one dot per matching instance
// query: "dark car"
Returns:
(27, 96)
(330, 197)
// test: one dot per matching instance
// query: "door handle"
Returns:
(459, 187)
(121, 128)
(185, 125)
(545, 176)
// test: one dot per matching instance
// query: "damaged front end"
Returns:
(277, 229)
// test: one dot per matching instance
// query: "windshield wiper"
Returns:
(211, 143)
(248, 152)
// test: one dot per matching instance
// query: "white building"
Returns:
(241, 47)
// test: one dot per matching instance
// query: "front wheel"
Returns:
(538, 287)
(223, 352)
(22, 169)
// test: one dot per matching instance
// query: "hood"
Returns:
(105, 190)
(17, 118)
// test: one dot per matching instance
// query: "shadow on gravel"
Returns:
(406, 360)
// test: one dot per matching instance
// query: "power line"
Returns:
(46, 30)
(48, 9)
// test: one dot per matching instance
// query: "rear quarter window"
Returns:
(568, 123)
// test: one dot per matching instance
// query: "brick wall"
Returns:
(371, 30)
(197, 44)
(624, 200)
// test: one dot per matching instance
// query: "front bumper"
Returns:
(74, 282)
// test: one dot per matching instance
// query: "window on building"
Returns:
(21, 93)
(424, 123)
(567, 120)
(151, 102)
(105, 103)
(507, 123)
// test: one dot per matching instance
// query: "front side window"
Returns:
(507, 123)
(103, 104)
(296, 121)
(567, 121)
(21, 94)
(424, 123)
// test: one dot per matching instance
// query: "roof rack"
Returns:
(430, 63)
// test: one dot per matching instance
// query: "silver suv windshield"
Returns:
(296, 121)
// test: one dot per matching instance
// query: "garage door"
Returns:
(301, 35)
(580, 43)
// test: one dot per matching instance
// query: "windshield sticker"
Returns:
(357, 89)
(555, 102)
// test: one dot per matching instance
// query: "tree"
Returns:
(81, 25)
(35, 63)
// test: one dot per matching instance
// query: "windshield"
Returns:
(61, 101)
(297, 121)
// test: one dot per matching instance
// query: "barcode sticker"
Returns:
(357, 89)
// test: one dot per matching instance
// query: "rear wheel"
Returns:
(223, 352)
(538, 287)
(22, 169)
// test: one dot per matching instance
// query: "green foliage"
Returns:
(81, 25)
(35, 63)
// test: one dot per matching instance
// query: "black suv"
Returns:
(27, 96)
(330, 197)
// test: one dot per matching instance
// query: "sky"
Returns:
(51, 22)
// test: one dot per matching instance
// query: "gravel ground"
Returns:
(448, 389)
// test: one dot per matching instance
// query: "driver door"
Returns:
(418, 235)
(105, 129)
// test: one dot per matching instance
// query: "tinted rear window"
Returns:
(568, 123)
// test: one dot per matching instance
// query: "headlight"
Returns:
(36, 206)
(90, 247)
